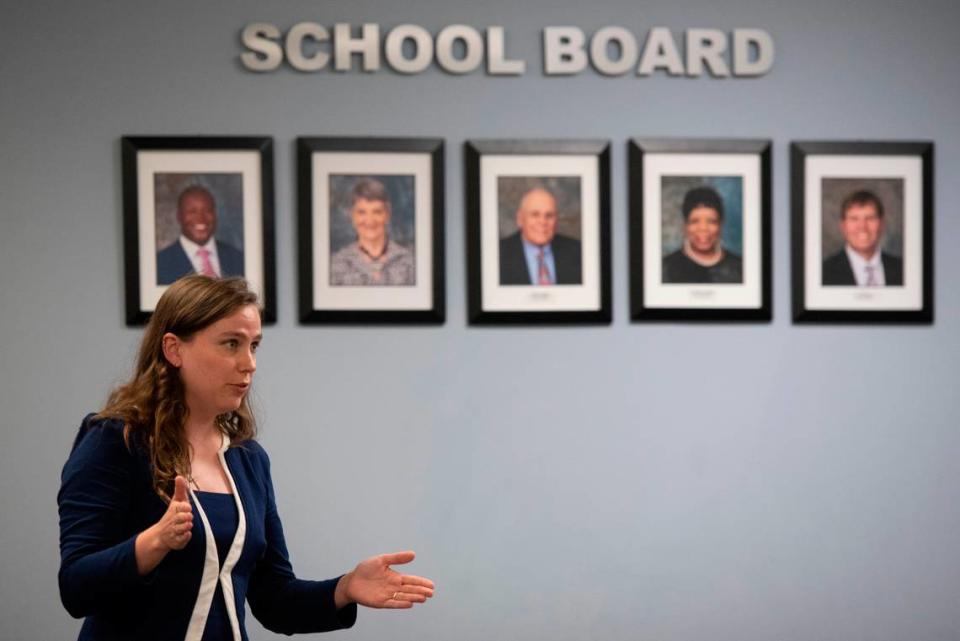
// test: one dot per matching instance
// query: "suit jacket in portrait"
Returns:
(173, 262)
(566, 260)
(837, 270)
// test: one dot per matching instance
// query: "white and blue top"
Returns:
(106, 499)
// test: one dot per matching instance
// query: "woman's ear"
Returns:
(171, 349)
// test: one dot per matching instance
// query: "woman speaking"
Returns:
(168, 521)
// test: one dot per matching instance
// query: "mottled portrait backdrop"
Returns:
(227, 192)
(401, 228)
(672, 191)
(833, 191)
(565, 189)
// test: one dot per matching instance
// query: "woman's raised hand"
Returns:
(171, 532)
(374, 584)
(175, 526)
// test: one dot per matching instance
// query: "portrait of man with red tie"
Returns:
(197, 248)
(536, 254)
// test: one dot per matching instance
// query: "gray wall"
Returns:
(668, 482)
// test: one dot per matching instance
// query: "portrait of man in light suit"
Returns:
(536, 254)
(196, 249)
(862, 262)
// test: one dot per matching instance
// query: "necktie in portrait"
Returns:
(206, 267)
(543, 273)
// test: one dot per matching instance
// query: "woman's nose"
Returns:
(248, 362)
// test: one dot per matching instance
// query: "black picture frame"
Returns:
(739, 168)
(898, 172)
(585, 166)
(412, 160)
(236, 169)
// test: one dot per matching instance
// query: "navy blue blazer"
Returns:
(838, 271)
(106, 499)
(173, 262)
(566, 260)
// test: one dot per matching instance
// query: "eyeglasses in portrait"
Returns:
(538, 231)
(371, 230)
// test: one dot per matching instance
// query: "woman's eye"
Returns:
(254, 346)
(232, 343)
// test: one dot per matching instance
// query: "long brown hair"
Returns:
(151, 404)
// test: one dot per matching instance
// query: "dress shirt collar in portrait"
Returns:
(859, 266)
(379, 257)
(532, 253)
(191, 248)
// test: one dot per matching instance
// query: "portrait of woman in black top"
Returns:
(702, 258)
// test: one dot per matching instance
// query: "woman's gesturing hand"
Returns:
(374, 584)
(171, 532)
(174, 528)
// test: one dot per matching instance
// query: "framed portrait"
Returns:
(201, 204)
(700, 229)
(538, 231)
(862, 234)
(371, 230)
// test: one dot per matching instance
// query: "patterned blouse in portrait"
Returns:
(352, 266)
